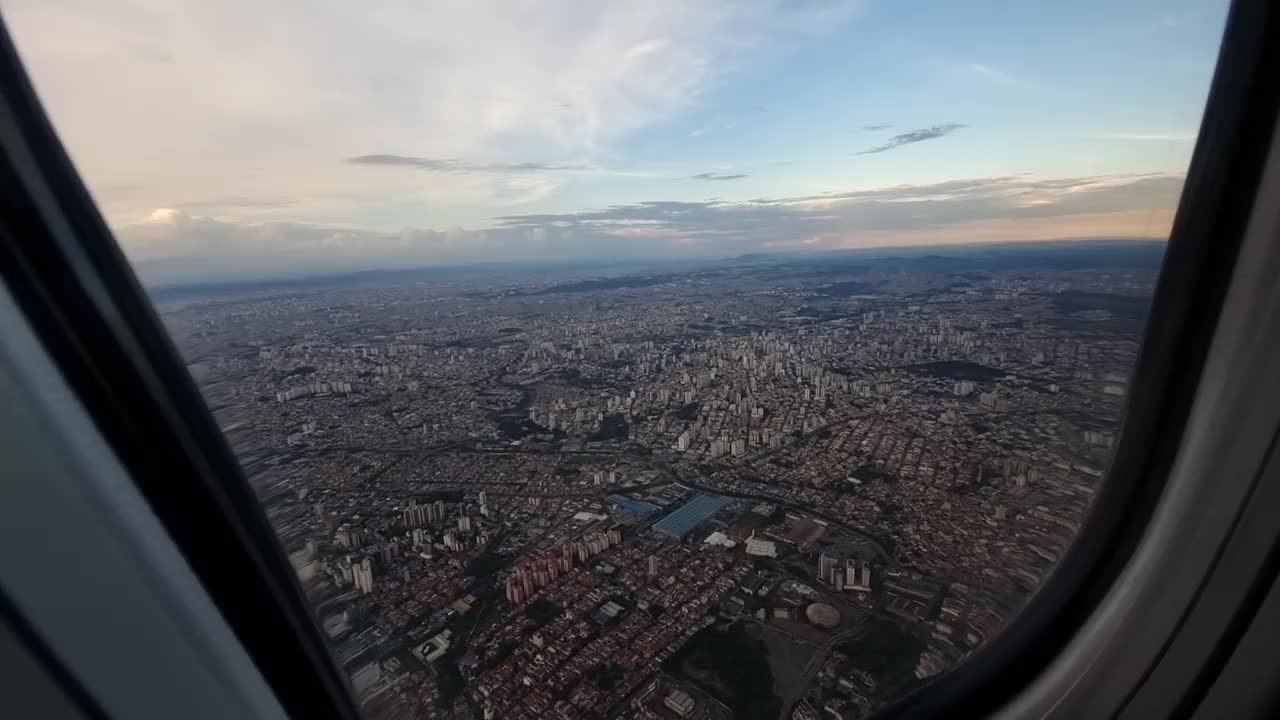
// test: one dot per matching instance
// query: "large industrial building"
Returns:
(691, 515)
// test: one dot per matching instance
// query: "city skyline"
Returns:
(237, 140)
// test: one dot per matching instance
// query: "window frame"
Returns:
(94, 319)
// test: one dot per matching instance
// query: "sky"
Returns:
(255, 138)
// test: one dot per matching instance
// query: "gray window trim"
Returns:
(1214, 523)
(87, 563)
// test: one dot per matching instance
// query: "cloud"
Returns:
(914, 136)
(648, 47)
(996, 74)
(455, 166)
(244, 202)
(252, 128)
(722, 124)
(1155, 137)
(176, 103)
(883, 213)
(173, 246)
(881, 126)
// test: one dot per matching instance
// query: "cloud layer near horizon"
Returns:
(174, 246)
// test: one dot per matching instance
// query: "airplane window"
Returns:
(647, 360)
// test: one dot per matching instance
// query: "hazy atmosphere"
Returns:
(246, 139)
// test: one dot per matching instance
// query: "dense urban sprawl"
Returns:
(761, 489)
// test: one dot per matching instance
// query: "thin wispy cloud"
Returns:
(718, 176)
(647, 47)
(994, 73)
(914, 136)
(880, 126)
(1156, 137)
(457, 166)
(717, 125)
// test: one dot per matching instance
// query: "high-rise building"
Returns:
(653, 565)
(347, 537)
(858, 575)
(362, 576)
(415, 515)
(826, 564)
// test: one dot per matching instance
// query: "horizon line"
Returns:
(322, 275)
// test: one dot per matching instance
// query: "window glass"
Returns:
(647, 360)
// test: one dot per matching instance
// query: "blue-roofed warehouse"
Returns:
(633, 506)
(689, 516)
